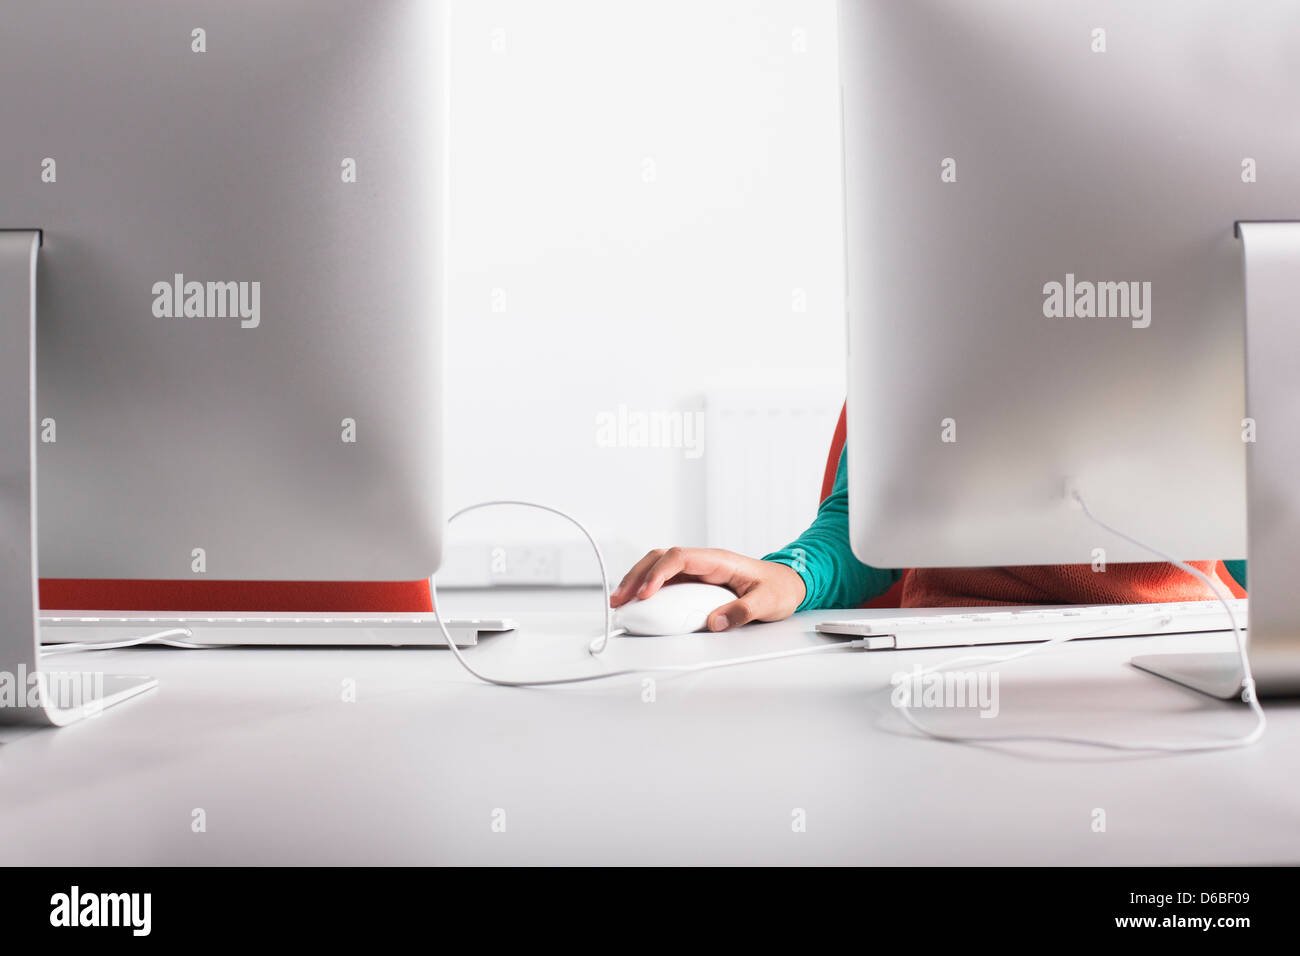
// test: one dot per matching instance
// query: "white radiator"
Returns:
(765, 452)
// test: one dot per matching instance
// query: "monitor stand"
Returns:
(29, 693)
(1271, 256)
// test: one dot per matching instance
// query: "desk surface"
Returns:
(713, 770)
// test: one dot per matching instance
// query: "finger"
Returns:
(626, 588)
(738, 612)
(700, 564)
(671, 563)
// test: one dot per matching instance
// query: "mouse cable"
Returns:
(172, 637)
(598, 645)
(1248, 681)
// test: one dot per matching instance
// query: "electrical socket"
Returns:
(524, 565)
(522, 562)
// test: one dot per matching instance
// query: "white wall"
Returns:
(653, 189)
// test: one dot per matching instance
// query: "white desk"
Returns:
(710, 772)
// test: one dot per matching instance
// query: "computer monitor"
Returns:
(1046, 287)
(235, 214)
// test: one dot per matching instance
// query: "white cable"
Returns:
(164, 638)
(598, 645)
(1248, 679)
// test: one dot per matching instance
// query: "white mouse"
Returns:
(673, 609)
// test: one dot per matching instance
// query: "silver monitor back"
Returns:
(994, 148)
(280, 417)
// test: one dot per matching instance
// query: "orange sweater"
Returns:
(1060, 584)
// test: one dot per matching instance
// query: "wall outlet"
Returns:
(524, 565)
(542, 562)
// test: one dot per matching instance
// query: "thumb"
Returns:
(738, 612)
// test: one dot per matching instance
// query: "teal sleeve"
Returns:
(1238, 571)
(821, 556)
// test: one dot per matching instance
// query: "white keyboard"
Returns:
(329, 630)
(954, 627)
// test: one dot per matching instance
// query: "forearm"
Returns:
(824, 559)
